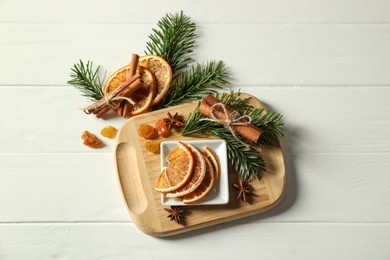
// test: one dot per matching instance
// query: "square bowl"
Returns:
(220, 193)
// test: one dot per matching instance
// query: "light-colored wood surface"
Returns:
(138, 171)
(323, 64)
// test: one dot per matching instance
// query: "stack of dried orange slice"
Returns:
(189, 174)
(156, 74)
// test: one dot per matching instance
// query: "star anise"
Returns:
(172, 121)
(244, 189)
(176, 214)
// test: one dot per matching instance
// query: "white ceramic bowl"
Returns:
(220, 193)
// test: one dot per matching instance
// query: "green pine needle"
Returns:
(235, 101)
(196, 82)
(248, 162)
(245, 160)
(174, 40)
(269, 122)
(87, 80)
(194, 126)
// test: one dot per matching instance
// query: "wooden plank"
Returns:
(350, 120)
(273, 54)
(332, 152)
(203, 11)
(59, 187)
(79, 187)
(265, 240)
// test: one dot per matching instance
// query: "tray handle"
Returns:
(129, 177)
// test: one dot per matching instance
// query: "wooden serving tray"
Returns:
(138, 170)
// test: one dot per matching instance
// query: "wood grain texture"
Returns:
(202, 11)
(328, 119)
(273, 54)
(138, 171)
(82, 187)
(322, 63)
(122, 241)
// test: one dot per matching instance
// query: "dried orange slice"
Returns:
(204, 188)
(161, 70)
(197, 176)
(210, 154)
(117, 78)
(180, 164)
(143, 97)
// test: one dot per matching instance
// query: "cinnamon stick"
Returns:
(102, 106)
(250, 132)
(126, 89)
(125, 93)
(134, 64)
(103, 111)
(123, 108)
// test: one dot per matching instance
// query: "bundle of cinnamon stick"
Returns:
(116, 100)
(247, 130)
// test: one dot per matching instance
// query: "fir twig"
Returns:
(235, 101)
(88, 81)
(269, 122)
(174, 40)
(246, 160)
(196, 82)
(194, 126)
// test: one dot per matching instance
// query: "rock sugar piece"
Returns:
(108, 131)
(91, 140)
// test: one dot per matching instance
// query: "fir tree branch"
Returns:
(88, 81)
(247, 161)
(235, 101)
(174, 40)
(196, 82)
(195, 126)
(269, 122)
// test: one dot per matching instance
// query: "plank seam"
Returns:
(239, 221)
(152, 24)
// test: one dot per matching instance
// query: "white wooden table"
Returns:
(323, 64)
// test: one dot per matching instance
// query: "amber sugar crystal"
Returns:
(147, 131)
(108, 131)
(152, 146)
(91, 140)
